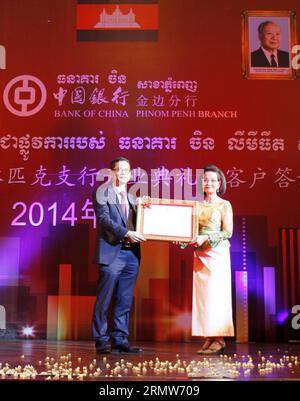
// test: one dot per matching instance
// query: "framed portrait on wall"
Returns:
(267, 40)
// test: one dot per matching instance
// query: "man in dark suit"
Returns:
(269, 55)
(117, 254)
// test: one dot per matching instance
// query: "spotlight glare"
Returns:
(282, 316)
(28, 331)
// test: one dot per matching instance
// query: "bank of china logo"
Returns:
(24, 95)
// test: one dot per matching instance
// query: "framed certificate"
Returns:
(167, 219)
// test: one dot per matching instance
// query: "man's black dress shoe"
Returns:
(126, 349)
(102, 348)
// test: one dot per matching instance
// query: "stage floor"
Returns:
(77, 361)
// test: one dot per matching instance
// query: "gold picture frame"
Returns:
(167, 219)
(254, 59)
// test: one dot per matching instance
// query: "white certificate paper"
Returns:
(168, 220)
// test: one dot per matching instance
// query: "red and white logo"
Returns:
(25, 95)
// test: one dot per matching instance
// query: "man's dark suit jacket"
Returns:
(111, 224)
(258, 59)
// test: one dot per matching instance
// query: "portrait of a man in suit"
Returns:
(269, 54)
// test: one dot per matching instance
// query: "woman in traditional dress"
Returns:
(212, 303)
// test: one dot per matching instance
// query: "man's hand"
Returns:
(134, 236)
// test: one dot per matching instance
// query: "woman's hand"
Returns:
(199, 240)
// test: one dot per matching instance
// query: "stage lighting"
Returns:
(28, 331)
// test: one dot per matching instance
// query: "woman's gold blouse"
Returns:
(216, 221)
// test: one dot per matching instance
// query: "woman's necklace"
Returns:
(212, 200)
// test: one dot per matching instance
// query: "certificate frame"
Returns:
(163, 212)
(250, 21)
